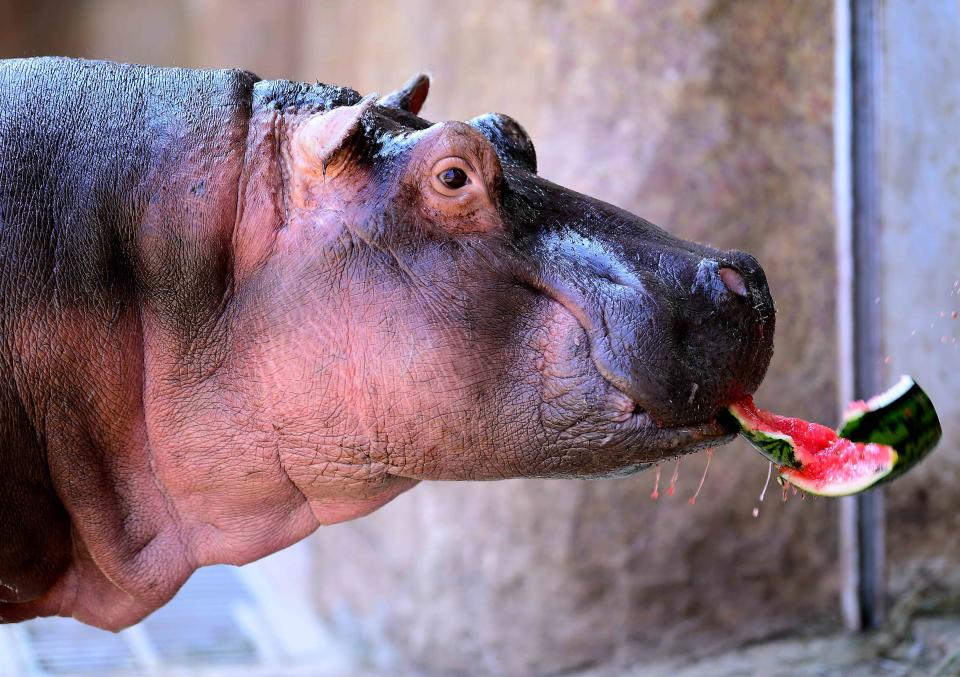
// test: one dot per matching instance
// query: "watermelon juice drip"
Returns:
(821, 457)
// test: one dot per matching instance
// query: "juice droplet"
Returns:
(655, 494)
(693, 499)
(763, 494)
(786, 492)
(767, 483)
(673, 479)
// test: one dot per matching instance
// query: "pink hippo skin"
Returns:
(234, 310)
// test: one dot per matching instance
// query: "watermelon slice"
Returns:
(877, 441)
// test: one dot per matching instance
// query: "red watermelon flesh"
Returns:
(823, 463)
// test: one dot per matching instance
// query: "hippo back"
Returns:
(90, 151)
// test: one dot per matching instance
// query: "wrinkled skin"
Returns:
(234, 310)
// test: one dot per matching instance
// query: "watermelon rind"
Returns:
(902, 417)
(775, 446)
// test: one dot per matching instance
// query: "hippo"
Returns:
(236, 309)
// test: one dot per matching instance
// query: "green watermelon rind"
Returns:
(902, 417)
(776, 447)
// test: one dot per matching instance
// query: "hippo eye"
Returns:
(455, 196)
(453, 178)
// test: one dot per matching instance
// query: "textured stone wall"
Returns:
(710, 118)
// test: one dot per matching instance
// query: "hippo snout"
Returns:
(681, 329)
(724, 343)
(699, 337)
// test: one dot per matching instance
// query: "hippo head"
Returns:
(431, 308)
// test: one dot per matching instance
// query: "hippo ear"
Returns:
(411, 96)
(512, 142)
(326, 134)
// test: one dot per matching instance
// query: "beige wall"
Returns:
(710, 118)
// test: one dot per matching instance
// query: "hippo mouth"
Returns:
(630, 442)
(626, 421)
(714, 431)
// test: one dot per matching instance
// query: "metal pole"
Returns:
(862, 517)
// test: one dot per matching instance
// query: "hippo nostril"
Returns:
(733, 281)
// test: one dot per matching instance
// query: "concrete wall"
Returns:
(712, 118)
(920, 274)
